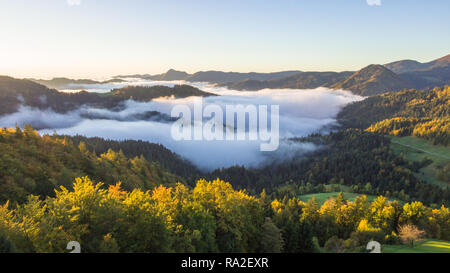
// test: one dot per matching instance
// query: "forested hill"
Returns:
(372, 80)
(354, 158)
(33, 164)
(144, 93)
(135, 148)
(65, 83)
(16, 92)
(424, 113)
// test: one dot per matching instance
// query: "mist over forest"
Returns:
(302, 112)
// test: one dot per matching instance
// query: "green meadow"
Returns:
(322, 197)
(416, 149)
(425, 246)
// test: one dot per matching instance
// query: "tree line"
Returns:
(210, 217)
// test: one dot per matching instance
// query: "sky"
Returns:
(102, 38)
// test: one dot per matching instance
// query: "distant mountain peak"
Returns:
(174, 75)
(373, 79)
(375, 68)
(174, 71)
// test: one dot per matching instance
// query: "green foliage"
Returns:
(147, 211)
(271, 239)
(434, 129)
(422, 113)
(444, 172)
(35, 164)
(334, 245)
(135, 148)
(6, 245)
(425, 246)
(428, 160)
(358, 160)
(211, 217)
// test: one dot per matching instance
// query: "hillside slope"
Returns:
(435, 77)
(35, 164)
(423, 113)
(373, 80)
(411, 65)
(303, 80)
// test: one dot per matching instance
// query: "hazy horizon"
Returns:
(105, 77)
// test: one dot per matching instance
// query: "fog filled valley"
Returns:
(311, 169)
(302, 112)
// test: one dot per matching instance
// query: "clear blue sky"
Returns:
(46, 38)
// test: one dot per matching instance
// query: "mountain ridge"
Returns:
(404, 66)
(211, 76)
(370, 80)
(302, 80)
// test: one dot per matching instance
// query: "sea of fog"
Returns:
(301, 112)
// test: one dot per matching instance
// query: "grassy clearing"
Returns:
(416, 149)
(426, 246)
(322, 197)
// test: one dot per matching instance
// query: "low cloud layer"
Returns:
(301, 113)
(106, 87)
(373, 2)
(73, 2)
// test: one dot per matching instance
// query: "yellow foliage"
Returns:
(276, 206)
(364, 225)
(115, 192)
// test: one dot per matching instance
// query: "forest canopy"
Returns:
(211, 217)
(422, 113)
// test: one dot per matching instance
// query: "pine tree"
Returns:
(271, 239)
